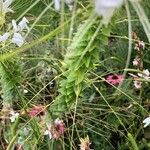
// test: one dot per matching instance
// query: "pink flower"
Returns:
(115, 79)
(59, 125)
(56, 129)
(36, 110)
(136, 62)
(85, 143)
(137, 84)
(140, 45)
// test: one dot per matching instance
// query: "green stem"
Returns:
(133, 142)
(12, 142)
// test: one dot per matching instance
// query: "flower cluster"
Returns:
(138, 62)
(144, 75)
(17, 37)
(55, 129)
(139, 47)
(115, 79)
(17, 33)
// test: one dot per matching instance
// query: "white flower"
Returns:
(18, 39)
(70, 7)
(140, 45)
(14, 116)
(14, 24)
(145, 74)
(4, 37)
(25, 91)
(136, 62)
(5, 6)
(57, 5)
(70, 4)
(106, 8)
(21, 25)
(138, 84)
(146, 121)
(58, 121)
(47, 132)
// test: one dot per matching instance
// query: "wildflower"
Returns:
(140, 45)
(14, 24)
(59, 125)
(136, 62)
(57, 5)
(85, 143)
(5, 6)
(25, 91)
(145, 74)
(18, 39)
(14, 116)
(115, 79)
(36, 110)
(146, 121)
(56, 129)
(4, 37)
(137, 84)
(106, 8)
(70, 4)
(21, 25)
(48, 132)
